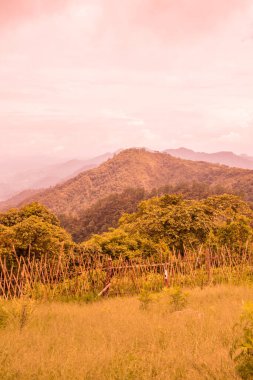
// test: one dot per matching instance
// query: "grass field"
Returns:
(116, 339)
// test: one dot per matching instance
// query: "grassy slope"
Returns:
(114, 339)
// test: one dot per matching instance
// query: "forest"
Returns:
(170, 222)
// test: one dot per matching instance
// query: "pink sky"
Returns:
(81, 77)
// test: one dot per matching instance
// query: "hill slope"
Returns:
(224, 158)
(106, 212)
(138, 168)
(18, 199)
(46, 176)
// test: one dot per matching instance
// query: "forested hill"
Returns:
(138, 168)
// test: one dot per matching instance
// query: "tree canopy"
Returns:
(32, 230)
(160, 224)
(176, 223)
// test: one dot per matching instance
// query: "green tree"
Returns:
(15, 216)
(32, 230)
(177, 223)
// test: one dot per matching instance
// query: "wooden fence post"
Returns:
(208, 265)
(166, 275)
(107, 284)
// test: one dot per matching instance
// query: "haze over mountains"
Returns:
(71, 186)
(224, 158)
(39, 175)
(137, 168)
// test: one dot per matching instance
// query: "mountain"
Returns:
(224, 158)
(18, 199)
(45, 176)
(138, 168)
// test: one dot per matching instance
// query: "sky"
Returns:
(82, 77)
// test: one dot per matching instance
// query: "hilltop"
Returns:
(138, 168)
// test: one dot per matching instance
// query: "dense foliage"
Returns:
(32, 230)
(160, 225)
(106, 212)
(171, 222)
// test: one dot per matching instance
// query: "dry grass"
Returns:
(115, 339)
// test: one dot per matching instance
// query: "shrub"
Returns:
(242, 348)
(145, 299)
(16, 313)
(178, 299)
(3, 316)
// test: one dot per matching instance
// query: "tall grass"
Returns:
(115, 339)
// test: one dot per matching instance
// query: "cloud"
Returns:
(136, 122)
(119, 115)
(97, 75)
(16, 11)
(169, 19)
(230, 137)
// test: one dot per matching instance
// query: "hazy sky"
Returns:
(80, 77)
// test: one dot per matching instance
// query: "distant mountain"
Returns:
(5, 190)
(224, 158)
(18, 199)
(47, 176)
(139, 168)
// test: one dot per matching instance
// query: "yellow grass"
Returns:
(115, 339)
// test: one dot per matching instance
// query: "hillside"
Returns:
(138, 168)
(18, 199)
(105, 213)
(224, 158)
(12, 183)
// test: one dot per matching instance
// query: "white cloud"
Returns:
(124, 116)
(230, 137)
(74, 79)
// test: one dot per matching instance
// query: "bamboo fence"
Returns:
(102, 275)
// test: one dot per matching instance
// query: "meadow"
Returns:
(123, 338)
(163, 296)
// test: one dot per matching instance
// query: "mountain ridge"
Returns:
(139, 168)
(222, 157)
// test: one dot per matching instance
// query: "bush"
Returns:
(16, 313)
(242, 349)
(3, 315)
(178, 299)
(81, 288)
(145, 299)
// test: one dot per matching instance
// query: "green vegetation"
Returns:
(178, 299)
(145, 299)
(168, 223)
(160, 226)
(242, 349)
(16, 313)
(53, 290)
(33, 231)
(106, 212)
